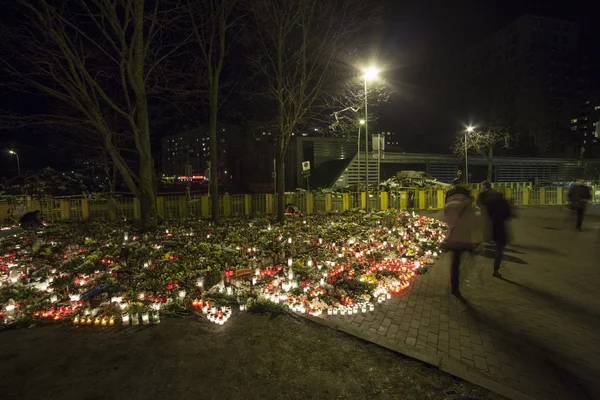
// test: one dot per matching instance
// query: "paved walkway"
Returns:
(536, 330)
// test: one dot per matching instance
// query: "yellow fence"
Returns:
(172, 207)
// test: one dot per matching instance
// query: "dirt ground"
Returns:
(251, 357)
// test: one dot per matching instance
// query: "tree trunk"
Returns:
(490, 158)
(146, 192)
(214, 183)
(280, 179)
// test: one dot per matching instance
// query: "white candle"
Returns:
(290, 261)
(156, 317)
(135, 319)
(145, 318)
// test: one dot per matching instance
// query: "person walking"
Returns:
(496, 212)
(459, 215)
(579, 195)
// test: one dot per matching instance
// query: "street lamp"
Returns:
(469, 130)
(370, 73)
(18, 162)
(360, 124)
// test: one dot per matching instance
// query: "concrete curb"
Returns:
(443, 363)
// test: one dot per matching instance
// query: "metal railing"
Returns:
(173, 207)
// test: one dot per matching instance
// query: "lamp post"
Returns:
(18, 162)
(360, 124)
(370, 73)
(469, 130)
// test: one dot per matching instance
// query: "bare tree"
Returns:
(345, 107)
(213, 22)
(297, 44)
(485, 141)
(97, 58)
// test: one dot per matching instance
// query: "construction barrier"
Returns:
(173, 207)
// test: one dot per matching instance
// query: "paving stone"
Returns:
(480, 363)
(540, 319)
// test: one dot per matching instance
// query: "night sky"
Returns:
(412, 31)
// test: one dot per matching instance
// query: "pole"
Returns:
(366, 148)
(379, 140)
(18, 164)
(358, 158)
(466, 161)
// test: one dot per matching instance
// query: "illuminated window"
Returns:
(597, 108)
(574, 121)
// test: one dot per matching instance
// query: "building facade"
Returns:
(529, 75)
(187, 153)
(585, 127)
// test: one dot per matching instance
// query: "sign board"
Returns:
(305, 166)
(378, 142)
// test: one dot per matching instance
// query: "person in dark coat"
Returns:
(579, 195)
(496, 211)
(31, 220)
(459, 215)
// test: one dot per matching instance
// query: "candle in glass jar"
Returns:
(145, 318)
(135, 319)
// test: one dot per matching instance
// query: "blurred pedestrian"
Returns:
(496, 211)
(579, 195)
(459, 215)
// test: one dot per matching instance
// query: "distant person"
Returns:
(458, 189)
(579, 195)
(496, 211)
(31, 220)
(459, 215)
(459, 178)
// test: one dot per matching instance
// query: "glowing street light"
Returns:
(470, 129)
(370, 74)
(18, 162)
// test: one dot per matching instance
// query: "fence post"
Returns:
(403, 200)
(183, 207)
(205, 206)
(383, 201)
(136, 208)
(363, 200)
(542, 196)
(559, 195)
(508, 194)
(269, 203)
(160, 207)
(346, 201)
(441, 199)
(64, 210)
(112, 209)
(310, 203)
(247, 204)
(226, 205)
(328, 202)
(421, 200)
(85, 209)
(525, 196)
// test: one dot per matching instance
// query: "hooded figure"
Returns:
(579, 195)
(31, 220)
(496, 211)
